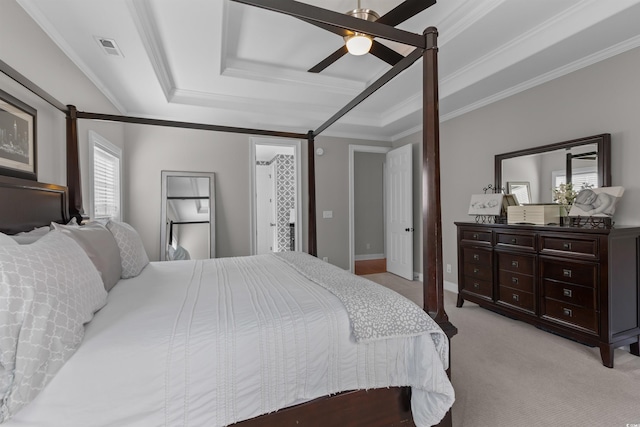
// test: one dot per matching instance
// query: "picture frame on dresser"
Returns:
(599, 202)
(18, 148)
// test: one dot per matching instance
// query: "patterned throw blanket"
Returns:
(375, 312)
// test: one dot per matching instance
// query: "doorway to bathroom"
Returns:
(276, 216)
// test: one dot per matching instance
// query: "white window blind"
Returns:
(106, 199)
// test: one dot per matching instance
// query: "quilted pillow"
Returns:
(7, 240)
(100, 245)
(48, 291)
(132, 254)
(28, 237)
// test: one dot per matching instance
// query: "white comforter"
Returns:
(210, 343)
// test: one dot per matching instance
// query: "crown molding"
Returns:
(619, 48)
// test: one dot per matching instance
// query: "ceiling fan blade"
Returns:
(329, 60)
(385, 53)
(335, 30)
(404, 11)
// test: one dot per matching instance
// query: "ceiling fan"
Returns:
(360, 44)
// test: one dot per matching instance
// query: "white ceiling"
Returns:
(224, 63)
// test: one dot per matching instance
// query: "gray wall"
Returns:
(602, 98)
(332, 194)
(368, 203)
(27, 49)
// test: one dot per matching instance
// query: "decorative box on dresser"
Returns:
(578, 282)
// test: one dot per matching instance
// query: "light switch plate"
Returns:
(327, 214)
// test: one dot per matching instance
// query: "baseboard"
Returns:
(367, 257)
(448, 286)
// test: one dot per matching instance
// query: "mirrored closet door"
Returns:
(188, 216)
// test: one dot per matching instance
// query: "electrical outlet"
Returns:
(325, 258)
(448, 268)
(368, 245)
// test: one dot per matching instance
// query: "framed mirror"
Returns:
(583, 161)
(187, 225)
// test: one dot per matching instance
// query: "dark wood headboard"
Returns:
(25, 204)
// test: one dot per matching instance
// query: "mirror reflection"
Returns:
(584, 163)
(188, 212)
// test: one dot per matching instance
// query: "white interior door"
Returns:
(399, 212)
(264, 205)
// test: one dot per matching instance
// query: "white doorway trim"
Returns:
(297, 150)
(352, 233)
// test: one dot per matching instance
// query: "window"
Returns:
(105, 183)
(581, 178)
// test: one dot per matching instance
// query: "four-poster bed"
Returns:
(386, 406)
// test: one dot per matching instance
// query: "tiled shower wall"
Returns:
(285, 182)
(285, 198)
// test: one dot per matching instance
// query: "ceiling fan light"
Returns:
(358, 44)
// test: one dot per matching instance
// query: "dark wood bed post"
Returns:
(73, 165)
(313, 243)
(431, 215)
(431, 208)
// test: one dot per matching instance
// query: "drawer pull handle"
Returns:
(514, 264)
(567, 293)
(566, 246)
(566, 272)
(475, 236)
(476, 285)
(567, 312)
(515, 297)
(476, 257)
(514, 280)
(476, 271)
(514, 240)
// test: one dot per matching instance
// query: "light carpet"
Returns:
(508, 373)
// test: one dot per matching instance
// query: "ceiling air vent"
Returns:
(109, 46)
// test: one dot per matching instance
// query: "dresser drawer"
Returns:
(476, 256)
(572, 294)
(576, 315)
(479, 271)
(517, 263)
(479, 287)
(483, 236)
(569, 272)
(584, 247)
(516, 280)
(521, 241)
(516, 298)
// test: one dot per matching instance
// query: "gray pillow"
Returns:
(100, 245)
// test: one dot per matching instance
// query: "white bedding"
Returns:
(209, 343)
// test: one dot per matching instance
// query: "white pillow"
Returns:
(7, 240)
(100, 245)
(132, 254)
(28, 237)
(49, 290)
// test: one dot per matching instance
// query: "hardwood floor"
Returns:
(372, 266)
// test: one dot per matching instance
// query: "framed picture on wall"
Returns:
(17, 138)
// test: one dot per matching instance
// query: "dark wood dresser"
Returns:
(580, 283)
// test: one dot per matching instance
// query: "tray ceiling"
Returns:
(225, 63)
